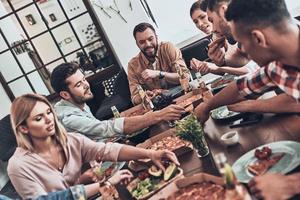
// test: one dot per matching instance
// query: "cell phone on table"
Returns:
(248, 120)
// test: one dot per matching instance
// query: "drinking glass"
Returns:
(201, 147)
(96, 166)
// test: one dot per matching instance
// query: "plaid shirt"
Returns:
(275, 75)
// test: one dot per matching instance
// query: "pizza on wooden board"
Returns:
(200, 191)
(170, 143)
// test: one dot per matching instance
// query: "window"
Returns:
(37, 35)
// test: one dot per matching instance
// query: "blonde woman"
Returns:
(49, 159)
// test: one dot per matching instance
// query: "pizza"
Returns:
(263, 165)
(190, 100)
(170, 143)
(200, 191)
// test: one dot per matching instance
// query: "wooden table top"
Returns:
(272, 128)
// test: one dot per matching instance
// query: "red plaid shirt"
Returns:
(275, 75)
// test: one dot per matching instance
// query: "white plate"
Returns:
(290, 160)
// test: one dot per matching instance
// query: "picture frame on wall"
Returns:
(31, 21)
(52, 17)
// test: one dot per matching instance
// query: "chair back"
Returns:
(8, 141)
(121, 85)
(196, 50)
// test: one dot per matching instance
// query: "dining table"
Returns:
(272, 128)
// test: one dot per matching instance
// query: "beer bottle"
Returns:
(115, 112)
(183, 78)
(233, 190)
(146, 101)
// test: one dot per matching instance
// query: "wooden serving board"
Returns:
(161, 184)
(171, 132)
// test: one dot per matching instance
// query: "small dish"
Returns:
(230, 138)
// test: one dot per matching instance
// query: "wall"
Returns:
(293, 7)
(173, 19)
(120, 32)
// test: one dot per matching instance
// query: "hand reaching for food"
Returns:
(172, 112)
(158, 156)
(121, 176)
(203, 67)
(155, 92)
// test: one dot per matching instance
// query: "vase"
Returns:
(201, 148)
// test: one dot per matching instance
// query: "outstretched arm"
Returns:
(207, 67)
(133, 124)
(228, 95)
(282, 103)
(127, 153)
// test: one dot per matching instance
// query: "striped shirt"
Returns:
(274, 75)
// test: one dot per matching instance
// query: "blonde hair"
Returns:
(20, 111)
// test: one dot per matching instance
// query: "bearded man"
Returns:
(154, 67)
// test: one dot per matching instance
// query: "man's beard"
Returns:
(154, 53)
(227, 33)
(81, 99)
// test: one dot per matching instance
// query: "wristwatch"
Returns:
(161, 75)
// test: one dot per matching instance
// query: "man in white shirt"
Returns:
(70, 83)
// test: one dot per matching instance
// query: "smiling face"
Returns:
(147, 43)
(79, 88)
(40, 124)
(200, 19)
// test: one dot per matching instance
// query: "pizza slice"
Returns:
(189, 108)
(262, 166)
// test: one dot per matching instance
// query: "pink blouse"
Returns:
(32, 176)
